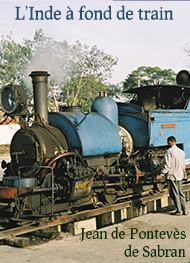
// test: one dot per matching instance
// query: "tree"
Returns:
(78, 72)
(13, 59)
(90, 68)
(149, 76)
(117, 92)
(187, 49)
(51, 56)
(89, 89)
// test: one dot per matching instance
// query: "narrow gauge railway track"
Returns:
(103, 216)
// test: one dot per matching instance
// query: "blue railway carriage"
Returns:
(153, 114)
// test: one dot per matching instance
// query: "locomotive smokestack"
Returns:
(40, 80)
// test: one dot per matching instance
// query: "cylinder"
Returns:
(40, 80)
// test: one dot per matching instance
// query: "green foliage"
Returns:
(82, 90)
(90, 68)
(117, 91)
(143, 76)
(13, 59)
(78, 72)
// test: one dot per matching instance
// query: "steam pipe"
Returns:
(40, 80)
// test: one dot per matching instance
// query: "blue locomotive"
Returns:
(68, 159)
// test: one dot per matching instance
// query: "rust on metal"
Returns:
(10, 193)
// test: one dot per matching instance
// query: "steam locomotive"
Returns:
(68, 159)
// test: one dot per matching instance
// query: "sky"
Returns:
(124, 30)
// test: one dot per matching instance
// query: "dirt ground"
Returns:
(155, 238)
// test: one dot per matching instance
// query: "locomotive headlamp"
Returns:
(13, 99)
(183, 78)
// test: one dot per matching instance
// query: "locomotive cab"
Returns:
(161, 97)
(155, 113)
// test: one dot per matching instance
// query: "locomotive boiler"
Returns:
(69, 159)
